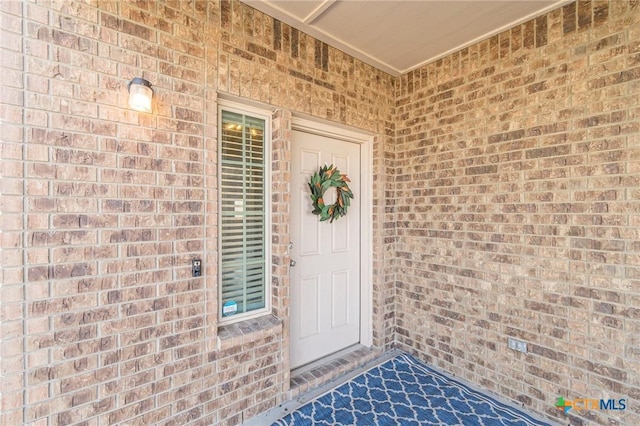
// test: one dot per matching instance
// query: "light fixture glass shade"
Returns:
(140, 95)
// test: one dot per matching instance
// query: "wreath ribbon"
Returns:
(325, 178)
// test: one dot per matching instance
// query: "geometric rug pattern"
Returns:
(403, 391)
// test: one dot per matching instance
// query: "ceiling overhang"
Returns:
(402, 35)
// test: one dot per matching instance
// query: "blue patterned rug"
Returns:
(403, 391)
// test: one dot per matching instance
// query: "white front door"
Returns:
(325, 281)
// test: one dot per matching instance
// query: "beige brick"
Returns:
(503, 205)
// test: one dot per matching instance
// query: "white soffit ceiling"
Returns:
(401, 35)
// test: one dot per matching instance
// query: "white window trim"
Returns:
(240, 108)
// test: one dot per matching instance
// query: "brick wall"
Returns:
(517, 210)
(103, 208)
(505, 204)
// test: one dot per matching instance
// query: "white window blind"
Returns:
(243, 213)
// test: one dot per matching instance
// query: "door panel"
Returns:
(325, 283)
(339, 298)
(310, 321)
(340, 236)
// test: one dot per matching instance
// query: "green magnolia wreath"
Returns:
(327, 177)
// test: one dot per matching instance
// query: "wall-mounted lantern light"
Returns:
(140, 94)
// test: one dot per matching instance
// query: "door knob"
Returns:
(292, 263)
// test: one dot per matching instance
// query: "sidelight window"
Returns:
(243, 213)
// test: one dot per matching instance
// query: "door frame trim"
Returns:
(365, 139)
